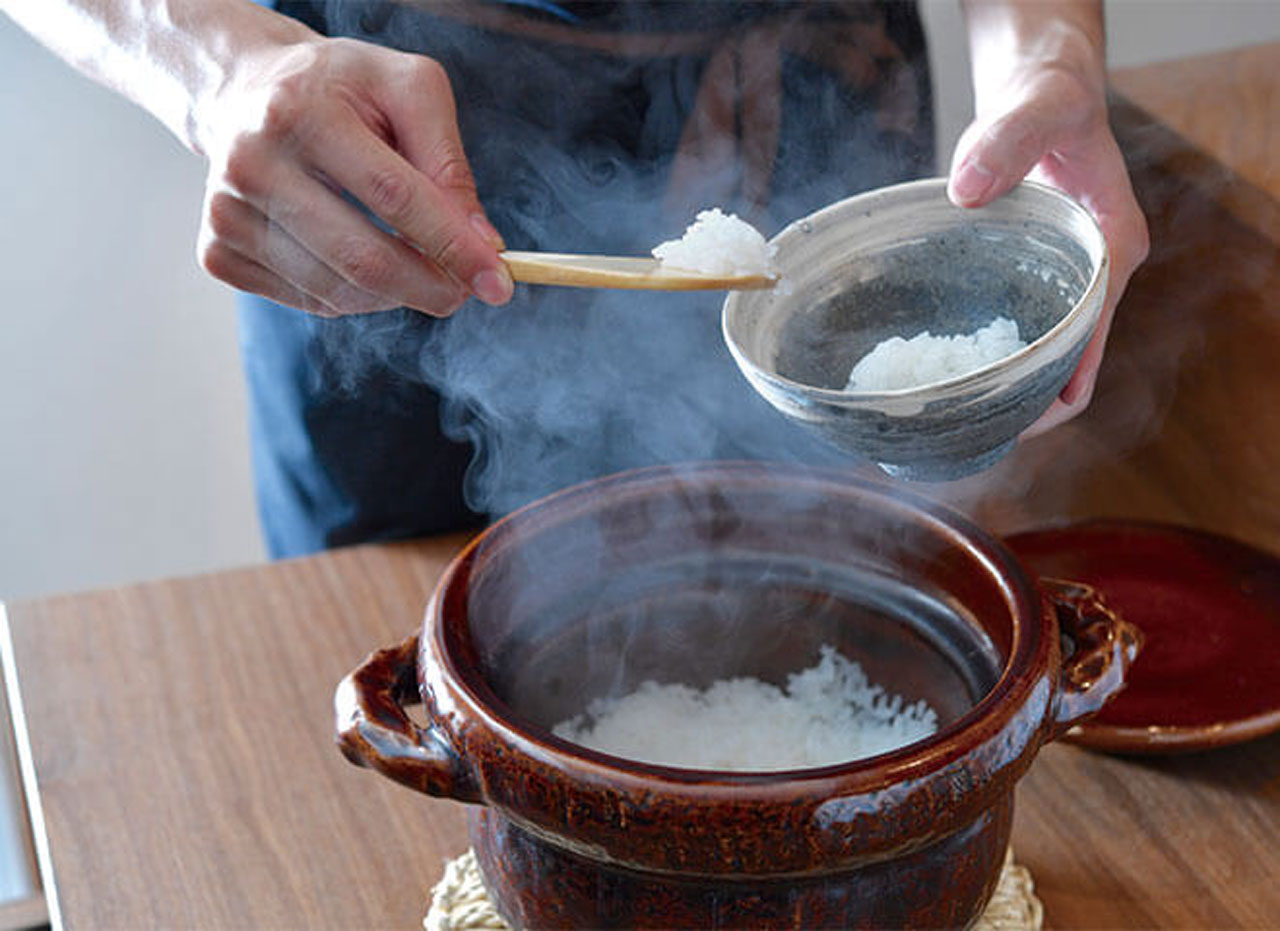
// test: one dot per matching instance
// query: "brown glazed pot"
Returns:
(705, 572)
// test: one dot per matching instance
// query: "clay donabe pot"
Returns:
(708, 572)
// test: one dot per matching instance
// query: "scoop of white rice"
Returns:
(827, 714)
(718, 243)
(924, 359)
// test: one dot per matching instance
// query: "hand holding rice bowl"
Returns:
(901, 260)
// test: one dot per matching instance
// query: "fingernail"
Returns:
(493, 286)
(485, 229)
(971, 183)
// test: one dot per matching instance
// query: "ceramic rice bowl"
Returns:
(903, 260)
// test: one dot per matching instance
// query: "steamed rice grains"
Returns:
(827, 714)
(718, 243)
(925, 359)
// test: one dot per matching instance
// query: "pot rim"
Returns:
(987, 718)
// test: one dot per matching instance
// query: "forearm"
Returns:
(1006, 36)
(168, 56)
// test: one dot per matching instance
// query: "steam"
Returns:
(572, 152)
(567, 386)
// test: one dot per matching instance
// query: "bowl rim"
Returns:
(949, 387)
(1029, 643)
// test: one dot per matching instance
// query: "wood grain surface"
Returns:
(1225, 103)
(183, 736)
(180, 732)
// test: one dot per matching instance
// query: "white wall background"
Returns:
(124, 452)
(122, 438)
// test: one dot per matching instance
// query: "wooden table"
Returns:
(176, 736)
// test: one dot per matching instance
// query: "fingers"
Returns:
(433, 204)
(429, 140)
(1075, 396)
(305, 141)
(1000, 148)
(1053, 127)
(1059, 412)
(1078, 390)
(422, 109)
(239, 271)
(233, 224)
(369, 260)
(1098, 178)
(991, 159)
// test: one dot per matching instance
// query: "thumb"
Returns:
(994, 154)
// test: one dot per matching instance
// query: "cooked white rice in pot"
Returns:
(829, 713)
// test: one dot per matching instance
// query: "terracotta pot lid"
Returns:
(1209, 607)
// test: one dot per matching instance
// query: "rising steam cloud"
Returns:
(571, 152)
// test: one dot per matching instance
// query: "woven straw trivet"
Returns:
(459, 901)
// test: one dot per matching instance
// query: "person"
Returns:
(368, 161)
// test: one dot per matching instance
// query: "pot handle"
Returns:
(373, 729)
(1102, 648)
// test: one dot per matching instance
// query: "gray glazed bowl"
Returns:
(901, 260)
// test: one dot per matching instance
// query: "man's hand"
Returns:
(1040, 101)
(297, 127)
(337, 180)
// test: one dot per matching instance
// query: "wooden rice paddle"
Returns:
(616, 271)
